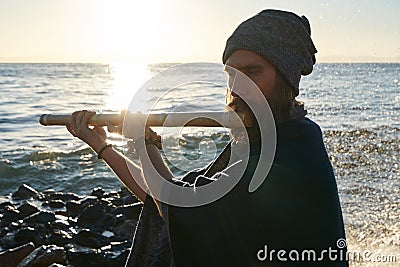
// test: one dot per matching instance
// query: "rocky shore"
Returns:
(63, 229)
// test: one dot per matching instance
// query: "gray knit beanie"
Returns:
(283, 38)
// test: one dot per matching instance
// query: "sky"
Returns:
(185, 31)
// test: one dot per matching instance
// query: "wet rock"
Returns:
(64, 197)
(60, 224)
(5, 204)
(120, 260)
(79, 256)
(42, 217)
(29, 234)
(91, 215)
(44, 256)
(10, 214)
(55, 204)
(7, 241)
(126, 229)
(118, 252)
(74, 208)
(25, 192)
(117, 201)
(94, 214)
(26, 209)
(14, 226)
(86, 201)
(130, 211)
(11, 257)
(98, 192)
(129, 199)
(118, 219)
(111, 194)
(59, 238)
(90, 239)
(123, 191)
(108, 221)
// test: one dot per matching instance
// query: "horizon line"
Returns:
(177, 62)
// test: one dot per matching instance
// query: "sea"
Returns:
(357, 106)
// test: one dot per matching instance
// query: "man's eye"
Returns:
(252, 72)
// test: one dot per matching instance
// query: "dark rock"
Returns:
(123, 191)
(59, 238)
(55, 204)
(4, 231)
(130, 211)
(87, 201)
(25, 192)
(116, 201)
(5, 204)
(26, 209)
(126, 229)
(60, 224)
(45, 256)
(92, 214)
(129, 199)
(14, 226)
(118, 248)
(111, 194)
(79, 256)
(7, 241)
(64, 197)
(49, 191)
(10, 214)
(90, 239)
(28, 234)
(74, 208)
(108, 221)
(98, 192)
(11, 257)
(120, 260)
(118, 220)
(42, 217)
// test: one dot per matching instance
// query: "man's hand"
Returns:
(95, 137)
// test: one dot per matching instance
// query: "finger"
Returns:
(73, 120)
(70, 129)
(86, 116)
(112, 128)
(78, 118)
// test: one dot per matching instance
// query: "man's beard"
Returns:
(239, 134)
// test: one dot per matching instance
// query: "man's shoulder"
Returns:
(299, 128)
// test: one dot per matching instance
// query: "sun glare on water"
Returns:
(129, 31)
(127, 78)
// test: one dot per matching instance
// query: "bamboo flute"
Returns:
(174, 119)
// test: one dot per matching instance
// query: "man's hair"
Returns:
(282, 99)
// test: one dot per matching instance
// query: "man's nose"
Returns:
(240, 84)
